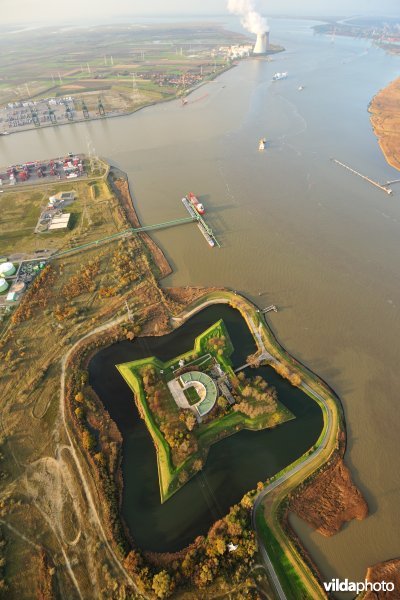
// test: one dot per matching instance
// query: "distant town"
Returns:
(384, 33)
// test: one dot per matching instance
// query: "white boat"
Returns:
(278, 76)
(261, 145)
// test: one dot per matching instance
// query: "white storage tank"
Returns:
(3, 284)
(7, 269)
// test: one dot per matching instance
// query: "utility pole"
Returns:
(128, 310)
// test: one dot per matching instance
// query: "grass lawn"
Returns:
(94, 215)
(290, 581)
(191, 395)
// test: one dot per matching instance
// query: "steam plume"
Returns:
(251, 19)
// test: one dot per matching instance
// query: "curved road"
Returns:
(298, 467)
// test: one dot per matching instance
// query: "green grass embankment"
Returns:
(289, 579)
(164, 461)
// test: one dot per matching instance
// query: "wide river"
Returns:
(308, 235)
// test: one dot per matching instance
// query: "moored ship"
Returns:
(195, 203)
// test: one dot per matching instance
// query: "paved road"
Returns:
(300, 466)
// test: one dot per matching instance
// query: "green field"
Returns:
(49, 64)
(94, 214)
(191, 395)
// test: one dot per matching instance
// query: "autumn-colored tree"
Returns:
(295, 379)
(133, 562)
(80, 413)
(222, 403)
(88, 440)
(79, 397)
(190, 421)
(163, 584)
(216, 546)
(197, 465)
(253, 360)
(206, 571)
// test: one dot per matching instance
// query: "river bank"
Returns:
(385, 119)
(114, 115)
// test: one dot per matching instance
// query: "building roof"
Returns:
(60, 221)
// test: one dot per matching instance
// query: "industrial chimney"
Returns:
(262, 43)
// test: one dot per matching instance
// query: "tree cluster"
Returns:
(125, 263)
(83, 281)
(283, 371)
(256, 397)
(64, 311)
(177, 431)
(37, 295)
(206, 559)
(217, 344)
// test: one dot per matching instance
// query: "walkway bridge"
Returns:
(124, 234)
(264, 356)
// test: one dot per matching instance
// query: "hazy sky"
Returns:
(45, 11)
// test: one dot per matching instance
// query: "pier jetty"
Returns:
(375, 183)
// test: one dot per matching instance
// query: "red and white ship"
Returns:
(195, 203)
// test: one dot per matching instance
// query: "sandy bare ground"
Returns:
(385, 119)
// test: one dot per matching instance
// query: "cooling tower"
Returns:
(262, 43)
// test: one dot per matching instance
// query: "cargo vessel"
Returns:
(195, 203)
(205, 230)
(278, 76)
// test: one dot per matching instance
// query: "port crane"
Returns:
(85, 109)
(35, 118)
(100, 107)
(69, 113)
(52, 114)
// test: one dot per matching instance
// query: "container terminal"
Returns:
(55, 169)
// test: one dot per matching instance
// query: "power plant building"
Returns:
(262, 43)
(7, 269)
